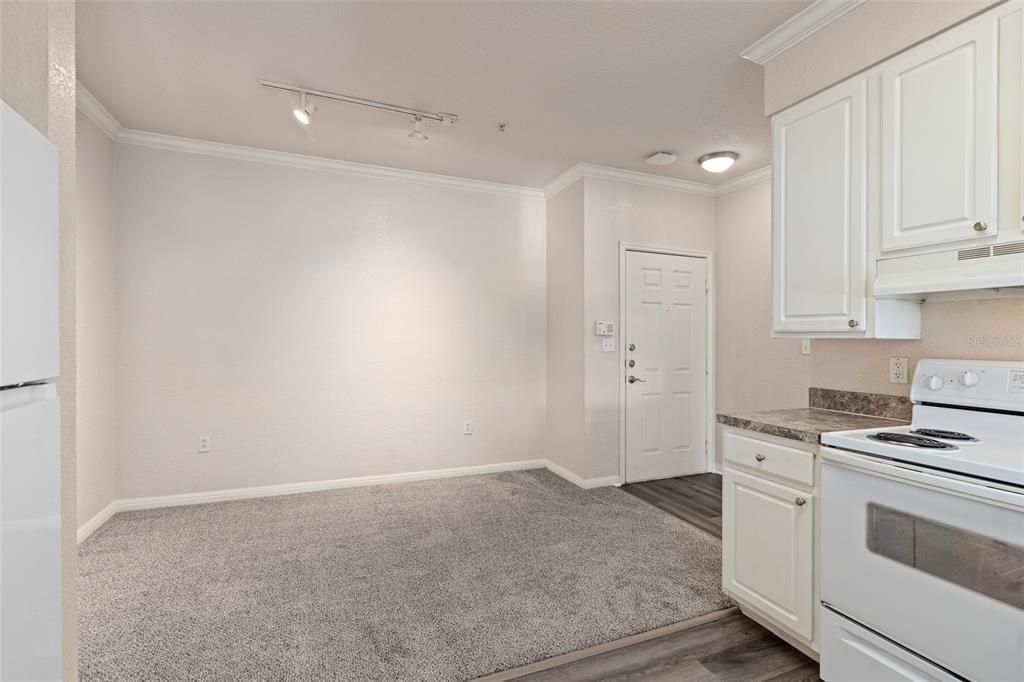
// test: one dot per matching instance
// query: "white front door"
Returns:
(666, 365)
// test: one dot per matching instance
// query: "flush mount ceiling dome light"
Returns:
(660, 159)
(304, 112)
(718, 162)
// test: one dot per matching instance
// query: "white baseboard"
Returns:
(90, 526)
(313, 486)
(159, 501)
(585, 483)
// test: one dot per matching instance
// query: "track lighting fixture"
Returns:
(304, 113)
(417, 130)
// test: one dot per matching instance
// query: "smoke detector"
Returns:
(660, 159)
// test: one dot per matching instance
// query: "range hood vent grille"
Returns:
(971, 254)
(1007, 249)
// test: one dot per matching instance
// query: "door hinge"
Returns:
(705, 446)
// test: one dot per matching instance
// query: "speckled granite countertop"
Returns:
(804, 424)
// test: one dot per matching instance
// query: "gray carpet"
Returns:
(433, 580)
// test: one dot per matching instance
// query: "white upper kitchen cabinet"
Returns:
(819, 213)
(939, 125)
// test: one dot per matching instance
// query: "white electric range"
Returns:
(922, 534)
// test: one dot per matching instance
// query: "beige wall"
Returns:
(864, 36)
(564, 431)
(37, 79)
(616, 212)
(97, 425)
(980, 330)
(755, 371)
(319, 325)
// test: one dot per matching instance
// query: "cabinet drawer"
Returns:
(770, 458)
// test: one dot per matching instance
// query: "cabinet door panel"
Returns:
(939, 118)
(768, 558)
(819, 212)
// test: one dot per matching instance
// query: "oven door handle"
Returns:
(920, 476)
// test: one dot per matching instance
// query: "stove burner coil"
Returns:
(945, 435)
(911, 440)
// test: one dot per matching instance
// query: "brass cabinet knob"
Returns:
(853, 323)
(980, 226)
(800, 501)
(759, 457)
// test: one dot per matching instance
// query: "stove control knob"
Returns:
(935, 382)
(968, 378)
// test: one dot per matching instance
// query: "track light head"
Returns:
(304, 112)
(418, 133)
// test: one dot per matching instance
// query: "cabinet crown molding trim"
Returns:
(97, 113)
(798, 28)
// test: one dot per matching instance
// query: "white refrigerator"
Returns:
(30, 593)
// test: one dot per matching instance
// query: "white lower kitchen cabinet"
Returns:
(769, 527)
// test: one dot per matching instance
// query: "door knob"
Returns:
(980, 226)
(632, 379)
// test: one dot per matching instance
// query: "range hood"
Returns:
(980, 269)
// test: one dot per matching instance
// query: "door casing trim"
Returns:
(709, 339)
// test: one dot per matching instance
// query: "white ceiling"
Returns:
(603, 83)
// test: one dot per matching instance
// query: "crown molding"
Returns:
(97, 113)
(588, 170)
(318, 163)
(745, 180)
(798, 28)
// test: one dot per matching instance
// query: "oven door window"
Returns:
(981, 564)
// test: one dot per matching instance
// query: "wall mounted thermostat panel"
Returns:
(604, 328)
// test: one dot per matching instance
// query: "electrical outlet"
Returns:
(898, 370)
(805, 346)
(204, 444)
(607, 345)
(467, 427)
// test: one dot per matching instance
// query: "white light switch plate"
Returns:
(805, 346)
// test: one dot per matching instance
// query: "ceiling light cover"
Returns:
(718, 162)
(660, 159)
(303, 114)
